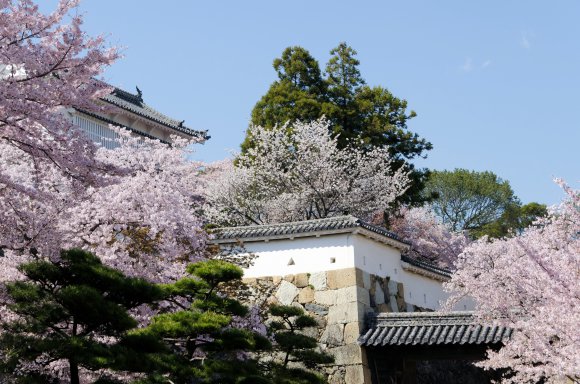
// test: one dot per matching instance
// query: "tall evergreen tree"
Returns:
(298, 94)
(344, 82)
(361, 115)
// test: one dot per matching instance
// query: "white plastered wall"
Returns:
(330, 252)
(383, 260)
(308, 254)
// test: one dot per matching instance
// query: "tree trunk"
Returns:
(74, 372)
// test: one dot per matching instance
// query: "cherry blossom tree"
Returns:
(531, 283)
(298, 172)
(429, 238)
(46, 66)
(135, 207)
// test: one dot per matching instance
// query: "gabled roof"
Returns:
(134, 104)
(308, 228)
(430, 328)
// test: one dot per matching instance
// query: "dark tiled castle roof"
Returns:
(134, 104)
(339, 224)
(430, 328)
(426, 266)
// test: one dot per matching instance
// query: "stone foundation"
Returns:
(339, 300)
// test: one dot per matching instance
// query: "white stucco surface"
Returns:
(308, 254)
(347, 250)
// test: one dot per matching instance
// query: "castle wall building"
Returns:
(378, 311)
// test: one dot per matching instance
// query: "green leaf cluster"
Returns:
(299, 354)
(77, 310)
(198, 329)
(74, 309)
(480, 203)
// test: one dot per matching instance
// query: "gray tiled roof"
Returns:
(430, 328)
(134, 103)
(308, 227)
(427, 266)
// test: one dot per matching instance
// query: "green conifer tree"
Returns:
(207, 347)
(361, 115)
(73, 309)
(297, 351)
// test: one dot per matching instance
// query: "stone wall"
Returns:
(339, 300)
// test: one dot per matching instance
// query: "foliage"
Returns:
(299, 172)
(530, 282)
(45, 67)
(58, 190)
(74, 309)
(199, 329)
(298, 351)
(468, 200)
(480, 203)
(429, 238)
(360, 115)
(513, 220)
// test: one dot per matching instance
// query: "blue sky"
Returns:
(495, 84)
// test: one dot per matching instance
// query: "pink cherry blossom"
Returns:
(298, 172)
(531, 283)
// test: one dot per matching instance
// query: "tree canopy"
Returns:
(480, 203)
(299, 172)
(362, 116)
(76, 310)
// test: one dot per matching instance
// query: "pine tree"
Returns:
(199, 328)
(297, 350)
(73, 309)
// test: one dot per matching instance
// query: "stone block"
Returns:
(392, 287)
(345, 313)
(250, 281)
(351, 333)
(306, 295)
(316, 309)
(379, 294)
(366, 280)
(336, 378)
(276, 279)
(318, 281)
(400, 290)
(333, 335)
(301, 280)
(346, 354)
(346, 295)
(352, 294)
(393, 304)
(272, 300)
(354, 374)
(325, 297)
(289, 278)
(286, 293)
(341, 278)
(401, 304)
(310, 332)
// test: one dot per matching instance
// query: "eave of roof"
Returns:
(430, 328)
(134, 104)
(308, 228)
(109, 121)
(425, 268)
